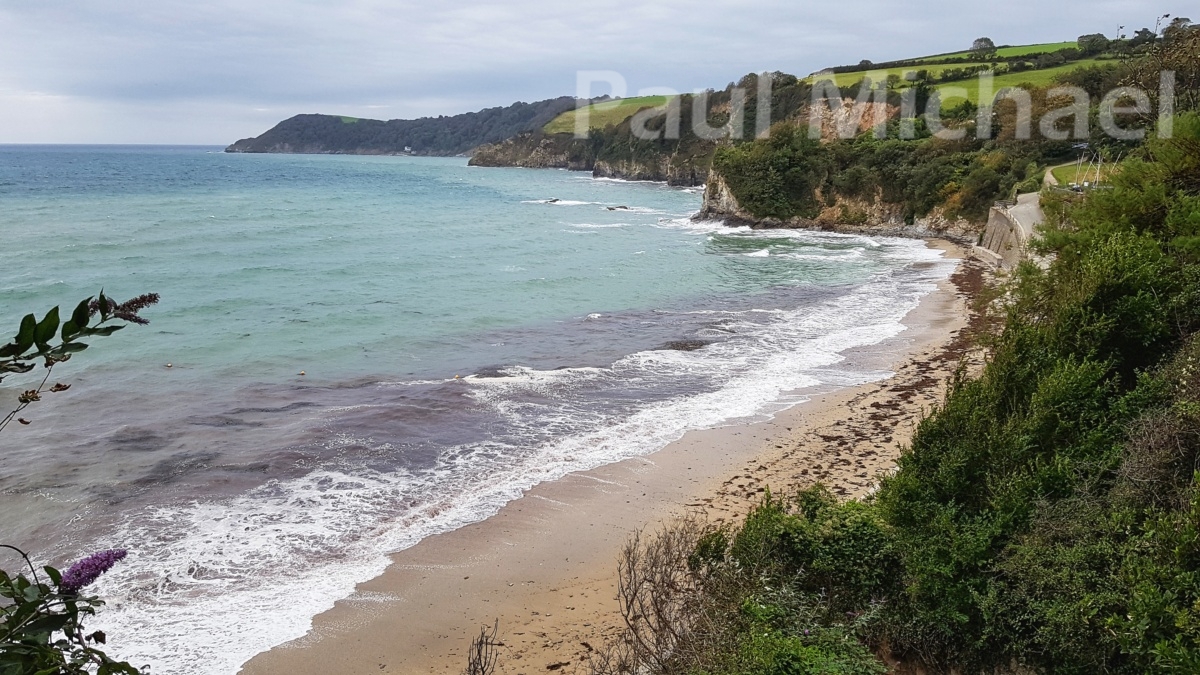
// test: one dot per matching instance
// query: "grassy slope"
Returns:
(603, 114)
(1036, 78)
(1073, 173)
(1021, 50)
(1031, 77)
(615, 112)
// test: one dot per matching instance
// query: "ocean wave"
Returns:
(703, 226)
(634, 209)
(826, 255)
(561, 202)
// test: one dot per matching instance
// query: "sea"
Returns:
(353, 353)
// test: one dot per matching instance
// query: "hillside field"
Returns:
(1019, 50)
(601, 115)
(617, 111)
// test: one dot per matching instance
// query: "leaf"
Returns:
(82, 313)
(103, 306)
(47, 328)
(72, 347)
(54, 574)
(15, 367)
(26, 333)
(106, 330)
(10, 350)
(69, 330)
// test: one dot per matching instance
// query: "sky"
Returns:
(214, 71)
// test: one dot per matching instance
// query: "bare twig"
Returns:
(483, 657)
(675, 607)
(25, 403)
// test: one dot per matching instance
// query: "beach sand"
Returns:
(544, 567)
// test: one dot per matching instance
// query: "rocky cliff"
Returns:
(564, 151)
(535, 151)
(850, 216)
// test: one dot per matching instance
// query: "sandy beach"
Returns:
(544, 566)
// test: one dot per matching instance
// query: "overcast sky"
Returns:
(214, 71)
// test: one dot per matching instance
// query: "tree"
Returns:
(1179, 55)
(1092, 44)
(983, 47)
(1178, 26)
(1142, 36)
(1050, 60)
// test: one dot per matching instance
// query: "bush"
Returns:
(790, 591)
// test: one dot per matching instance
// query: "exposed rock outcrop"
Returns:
(535, 151)
(564, 151)
(666, 169)
(850, 216)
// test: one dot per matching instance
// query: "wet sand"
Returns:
(544, 567)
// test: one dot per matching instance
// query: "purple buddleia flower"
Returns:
(89, 569)
(128, 310)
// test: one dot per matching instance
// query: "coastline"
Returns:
(544, 566)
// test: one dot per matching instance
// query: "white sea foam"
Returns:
(763, 253)
(633, 209)
(704, 226)
(825, 255)
(559, 202)
(605, 179)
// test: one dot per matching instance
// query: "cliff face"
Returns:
(563, 151)
(534, 151)
(849, 216)
(668, 169)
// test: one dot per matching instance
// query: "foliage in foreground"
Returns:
(41, 618)
(1047, 516)
(702, 600)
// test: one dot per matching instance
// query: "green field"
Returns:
(1035, 78)
(601, 115)
(934, 70)
(1076, 173)
(1032, 78)
(1021, 50)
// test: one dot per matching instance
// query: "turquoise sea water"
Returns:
(465, 334)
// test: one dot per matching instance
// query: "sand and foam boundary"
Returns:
(544, 566)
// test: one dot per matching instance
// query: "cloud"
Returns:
(211, 72)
